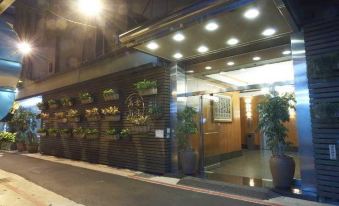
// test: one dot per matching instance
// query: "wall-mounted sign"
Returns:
(222, 109)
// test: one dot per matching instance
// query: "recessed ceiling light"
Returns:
(190, 71)
(232, 41)
(251, 13)
(230, 63)
(178, 37)
(268, 32)
(202, 49)
(286, 52)
(212, 26)
(177, 55)
(256, 58)
(208, 68)
(152, 46)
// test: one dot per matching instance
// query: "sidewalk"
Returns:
(156, 180)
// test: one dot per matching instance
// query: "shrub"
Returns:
(145, 84)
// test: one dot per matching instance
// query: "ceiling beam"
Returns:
(4, 4)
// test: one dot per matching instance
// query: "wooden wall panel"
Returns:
(321, 38)
(143, 151)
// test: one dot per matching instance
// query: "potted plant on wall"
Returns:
(146, 87)
(65, 133)
(273, 113)
(6, 140)
(53, 104)
(42, 105)
(141, 123)
(113, 134)
(155, 111)
(85, 98)
(73, 115)
(110, 95)
(79, 132)
(32, 142)
(111, 113)
(53, 132)
(60, 117)
(186, 127)
(44, 116)
(42, 132)
(66, 102)
(92, 115)
(23, 122)
(92, 134)
(125, 134)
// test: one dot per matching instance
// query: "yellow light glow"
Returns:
(248, 100)
(90, 7)
(24, 47)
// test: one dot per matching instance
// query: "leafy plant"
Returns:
(85, 96)
(59, 115)
(7, 137)
(53, 131)
(124, 133)
(72, 113)
(92, 112)
(42, 130)
(91, 131)
(112, 132)
(23, 123)
(52, 102)
(110, 111)
(186, 126)
(66, 101)
(273, 113)
(155, 110)
(44, 115)
(108, 92)
(41, 105)
(139, 119)
(145, 84)
(65, 131)
(79, 130)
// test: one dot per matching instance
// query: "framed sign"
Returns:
(222, 108)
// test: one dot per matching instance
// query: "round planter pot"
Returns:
(20, 146)
(32, 148)
(188, 162)
(282, 169)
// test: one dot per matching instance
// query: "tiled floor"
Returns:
(252, 168)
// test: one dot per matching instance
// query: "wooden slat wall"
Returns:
(321, 38)
(142, 152)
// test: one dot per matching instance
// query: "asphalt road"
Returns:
(93, 188)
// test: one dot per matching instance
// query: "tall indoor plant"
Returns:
(23, 123)
(186, 127)
(273, 113)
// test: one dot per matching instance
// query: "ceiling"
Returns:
(231, 24)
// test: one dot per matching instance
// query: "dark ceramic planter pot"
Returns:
(282, 169)
(20, 146)
(188, 162)
(32, 148)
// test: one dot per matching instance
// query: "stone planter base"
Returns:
(111, 97)
(114, 118)
(93, 119)
(86, 101)
(147, 92)
(140, 129)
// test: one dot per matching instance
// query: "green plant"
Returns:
(41, 105)
(112, 132)
(44, 115)
(186, 126)
(23, 123)
(124, 133)
(79, 130)
(139, 119)
(72, 113)
(273, 113)
(52, 102)
(59, 115)
(110, 111)
(145, 84)
(107, 92)
(7, 137)
(66, 101)
(65, 131)
(52, 131)
(91, 131)
(155, 110)
(85, 96)
(42, 130)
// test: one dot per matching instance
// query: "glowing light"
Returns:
(202, 49)
(268, 32)
(256, 58)
(178, 37)
(251, 13)
(152, 46)
(230, 63)
(212, 26)
(24, 48)
(208, 68)
(178, 55)
(90, 7)
(251, 183)
(232, 41)
(287, 52)
(190, 71)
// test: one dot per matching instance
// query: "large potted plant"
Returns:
(85, 98)
(186, 127)
(273, 113)
(23, 123)
(32, 142)
(6, 140)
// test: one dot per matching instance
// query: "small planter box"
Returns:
(92, 136)
(111, 97)
(53, 135)
(42, 134)
(141, 129)
(79, 135)
(114, 118)
(148, 92)
(111, 137)
(65, 135)
(86, 101)
(53, 106)
(74, 119)
(62, 120)
(93, 118)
